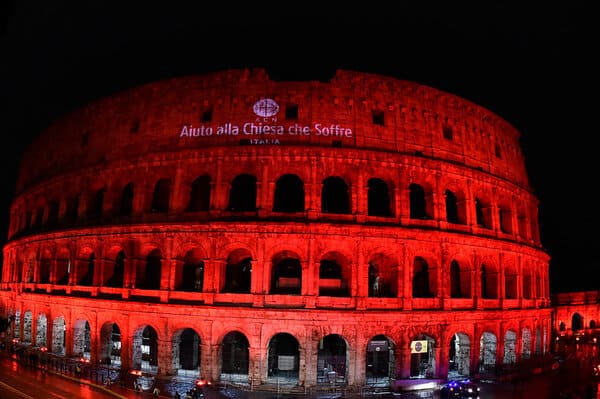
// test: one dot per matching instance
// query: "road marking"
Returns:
(15, 391)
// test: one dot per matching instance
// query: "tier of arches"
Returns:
(292, 194)
(286, 356)
(380, 273)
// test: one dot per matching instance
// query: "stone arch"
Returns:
(505, 216)
(62, 266)
(59, 332)
(380, 360)
(510, 347)
(286, 273)
(148, 273)
(510, 281)
(422, 357)
(488, 280)
(332, 359)
(420, 201)
(186, 352)
(41, 330)
(161, 196)
(576, 322)
(334, 274)
(487, 352)
(45, 267)
(114, 267)
(483, 211)
(460, 279)
(189, 272)
(335, 195)
(424, 279)
(289, 194)
(459, 357)
(238, 271)
(110, 344)
(527, 282)
(84, 269)
(525, 343)
(27, 327)
(455, 204)
(145, 349)
(242, 193)
(82, 339)
(383, 275)
(200, 191)
(283, 359)
(125, 205)
(235, 357)
(379, 198)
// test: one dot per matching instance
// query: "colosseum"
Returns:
(228, 226)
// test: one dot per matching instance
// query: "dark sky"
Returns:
(533, 65)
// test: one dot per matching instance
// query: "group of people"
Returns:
(193, 393)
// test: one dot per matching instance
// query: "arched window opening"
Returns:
(289, 194)
(287, 275)
(455, 285)
(62, 267)
(115, 276)
(145, 350)
(487, 352)
(85, 272)
(451, 207)
(421, 279)
(27, 326)
(53, 208)
(160, 196)
(380, 361)
(126, 205)
(334, 275)
(562, 326)
(186, 353)
(200, 195)
(191, 276)
(96, 206)
(283, 359)
(510, 283)
(44, 273)
(510, 345)
(378, 198)
(505, 218)
(335, 196)
(383, 276)
(527, 285)
(422, 357)
(488, 282)
(418, 202)
(41, 331)
(82, 341)
(331, 360)
(459, 358)
(234, 357)
(238, 272)
(526, 343)
(482, 214)
(110, 345)
(59, 332)
(148, 274)
(242, 197)
(576, 322)
(72, 211)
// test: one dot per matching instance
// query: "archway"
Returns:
(115, 274)
(27, 327)
(422, 357)
(242, 196)
(526, 343)
(383, 276)
(149, 273)
(423, 279)
(576, 322)
(487, 352)
(419, 208)
(110, 341)
(283, 359)
(286, 277)
(41, 331)
(289, 194)
(235, 357)
(510, 344)
(238, 272)
(380, 361)
(59, 332)
(378, 198)
(459, 358)
(332, 360)
(200, 195)
(334, 275)
(82, 339)
(85, 269)
(161, 196)
(186, 353)
(190, 275)
(335, 196)
(145, 349)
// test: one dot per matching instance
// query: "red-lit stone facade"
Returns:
(376, 229)
(577, 313)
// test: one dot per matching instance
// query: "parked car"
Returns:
(459, 389)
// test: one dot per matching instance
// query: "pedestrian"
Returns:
(156, 392)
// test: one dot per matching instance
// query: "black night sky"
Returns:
(533, 65)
